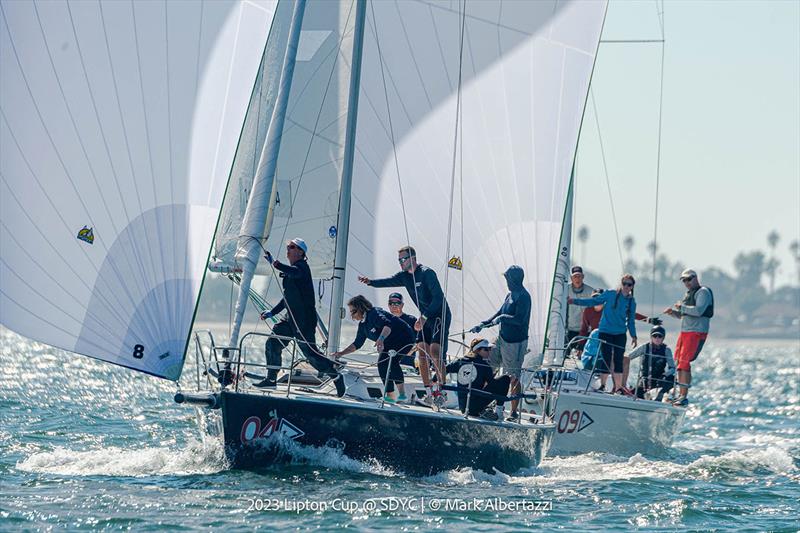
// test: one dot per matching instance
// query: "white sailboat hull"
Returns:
(620, 425)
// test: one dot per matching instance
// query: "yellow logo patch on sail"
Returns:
(86, 235)
(455, 262)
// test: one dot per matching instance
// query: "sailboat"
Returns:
(587, 418)
(189, 138)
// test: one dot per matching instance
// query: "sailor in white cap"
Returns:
(695, 311)
(300, 321)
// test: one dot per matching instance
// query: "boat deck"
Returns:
(326, 394)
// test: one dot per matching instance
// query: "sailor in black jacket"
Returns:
(396, 308)
(475, 375)
(300, 321)
(433, 325)
(393, 339)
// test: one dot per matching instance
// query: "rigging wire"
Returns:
(658, 159)
(608, 182)
(456, 139)
(394, 147)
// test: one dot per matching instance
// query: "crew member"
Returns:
(396, 308)
(695, 311)
(577, 289)
(393, 338)
(657, 368)
(591, 320)
(475, 377)
(300, 321)
(433, 324)
(511, 345)
(619, 310)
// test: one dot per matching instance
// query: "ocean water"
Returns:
(84, 445)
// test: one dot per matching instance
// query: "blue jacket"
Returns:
(618, 311)
(591, 349)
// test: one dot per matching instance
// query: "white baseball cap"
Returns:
(300, 243)
(482, 344)
(688, 273)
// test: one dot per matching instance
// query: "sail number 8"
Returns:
(138, 351)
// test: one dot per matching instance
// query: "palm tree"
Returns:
(794, 247)
(771, 267)
(628, 243)
(583, 236)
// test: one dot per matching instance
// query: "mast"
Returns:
(262, 195)
(343, 228)
(557, 317)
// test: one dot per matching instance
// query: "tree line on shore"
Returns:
(747, 297)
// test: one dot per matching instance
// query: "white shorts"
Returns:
(509, 355)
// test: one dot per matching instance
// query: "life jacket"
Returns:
(654, 361)
(689, 299)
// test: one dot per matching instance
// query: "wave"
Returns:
(593, 467)
(197, 457)
(333, 457)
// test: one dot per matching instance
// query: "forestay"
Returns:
(525, 76)
(119, 125)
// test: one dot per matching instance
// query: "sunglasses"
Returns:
(657, 336)
(395, 304)
(293, 247)
(627, 284)
(687, 279)
(482, 350)
(402, 260)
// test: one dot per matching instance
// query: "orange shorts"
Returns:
(688, 347)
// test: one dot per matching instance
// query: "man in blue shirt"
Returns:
(514, 317)
(433, 324)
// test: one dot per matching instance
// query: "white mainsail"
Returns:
(120, 121)
(526, 70)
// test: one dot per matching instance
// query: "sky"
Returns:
(730, 138)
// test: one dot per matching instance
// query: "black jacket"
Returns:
(374, 322)
(427, 295)
(298, 294)
(472, 371)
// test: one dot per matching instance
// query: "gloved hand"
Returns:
(477, 328)
(654, 320)
(268, 257)
(266, 314)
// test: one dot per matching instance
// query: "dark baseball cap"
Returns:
(576, 269)
(396, 297)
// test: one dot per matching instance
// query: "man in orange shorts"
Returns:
(695, 311)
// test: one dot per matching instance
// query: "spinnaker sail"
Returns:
(120, 121)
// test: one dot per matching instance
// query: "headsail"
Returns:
(119, 125)
(525, 76)
(309, 162)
